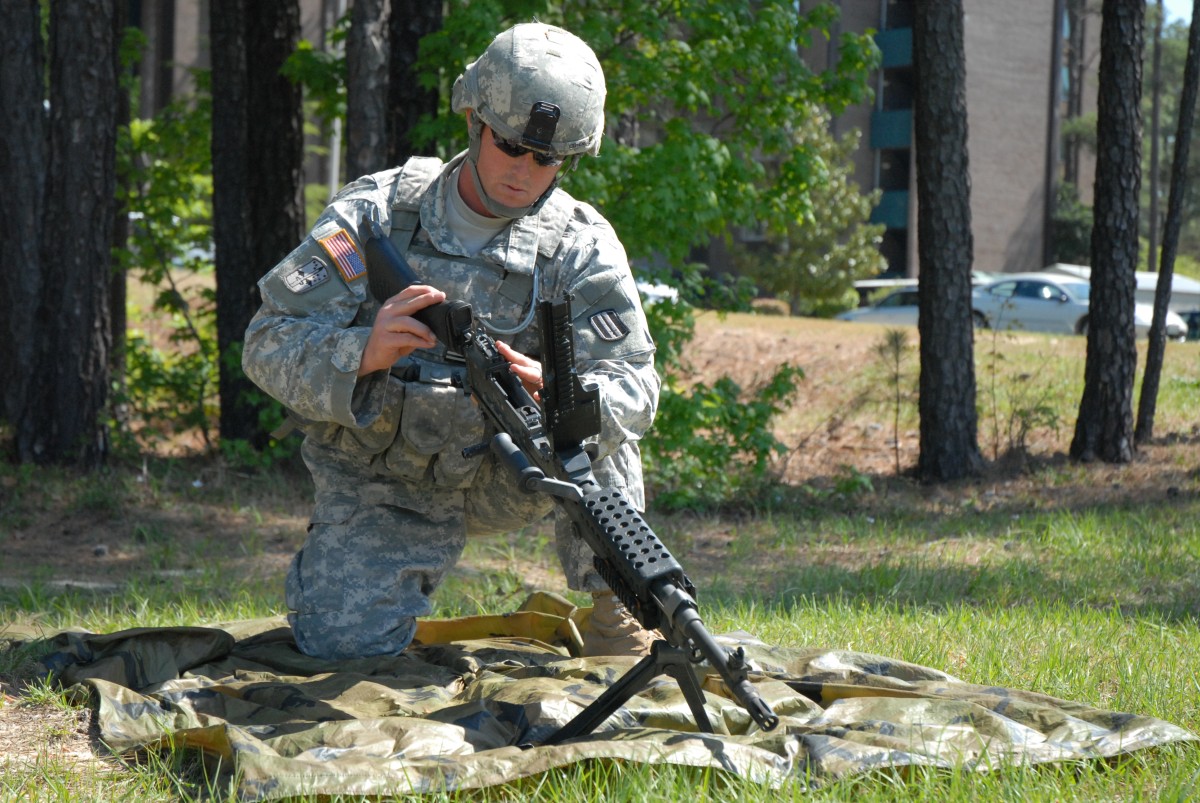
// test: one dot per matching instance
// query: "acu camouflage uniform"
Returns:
(395, 498)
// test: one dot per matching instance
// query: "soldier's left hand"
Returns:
(527, 369)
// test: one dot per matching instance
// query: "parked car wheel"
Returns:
(1082, 327)
(979, 320)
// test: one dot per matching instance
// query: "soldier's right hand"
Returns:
(396, 333)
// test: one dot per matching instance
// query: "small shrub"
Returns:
(710, 443)
(891, 350)
(170, 381)
(770, 306)
(850, 482)
(1014, 404)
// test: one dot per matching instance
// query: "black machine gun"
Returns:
(544, 447)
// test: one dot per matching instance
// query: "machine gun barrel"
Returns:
(730, 664)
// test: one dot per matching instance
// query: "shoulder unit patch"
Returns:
(313, 273)
(345, 255)
(608, 325)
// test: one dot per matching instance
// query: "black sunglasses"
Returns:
(515, 150)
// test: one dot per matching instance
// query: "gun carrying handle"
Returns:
(530, 478)
(526, 473)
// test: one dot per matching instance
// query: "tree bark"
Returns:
(367, 88)
(63, 418)
(22, 173)
(1155, 116)
(407, 100)
(258, 215)
(118, 284)
(1104, 428)
(1148, 401)
(948, 429)
(276, 139)
(233, 240)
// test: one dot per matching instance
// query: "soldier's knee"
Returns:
(328, 636)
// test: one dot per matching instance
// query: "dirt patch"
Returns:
(843, 422)
(96, 537)
(41, 735)
(35, 736)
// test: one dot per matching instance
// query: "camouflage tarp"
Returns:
(451, 711)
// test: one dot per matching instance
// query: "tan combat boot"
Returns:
(614, 630)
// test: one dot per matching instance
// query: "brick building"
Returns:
(1022, 81)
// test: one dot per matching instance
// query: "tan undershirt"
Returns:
(469, 227)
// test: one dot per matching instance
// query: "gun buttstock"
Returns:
(388, 272)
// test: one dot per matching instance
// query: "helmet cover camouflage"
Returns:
(539, 86)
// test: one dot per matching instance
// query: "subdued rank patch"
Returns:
(304, 278)
(344, 253)
(608, 325)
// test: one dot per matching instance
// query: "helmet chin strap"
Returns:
(491, 204)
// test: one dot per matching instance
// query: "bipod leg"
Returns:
(665, 659)
(681, 670)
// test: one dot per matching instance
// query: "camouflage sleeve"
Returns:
(613, 344)
(304, 345)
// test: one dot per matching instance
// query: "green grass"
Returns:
(1053, 585)
(1096, 605)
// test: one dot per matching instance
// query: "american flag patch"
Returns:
(344, 253)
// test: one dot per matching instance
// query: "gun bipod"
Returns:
(664, 658)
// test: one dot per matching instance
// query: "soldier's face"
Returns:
(510, 180)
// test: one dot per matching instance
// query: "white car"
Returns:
(898, 308)
(653, 293)
(1049, 302)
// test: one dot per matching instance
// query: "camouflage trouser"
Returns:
(365, 571)
(495, 506)
(377, 548)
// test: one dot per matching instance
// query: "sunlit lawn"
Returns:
(1094, 601)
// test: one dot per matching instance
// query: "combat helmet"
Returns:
(537, 86)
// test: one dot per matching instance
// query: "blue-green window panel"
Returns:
(892, 210)
(891, 129)
(895, 47)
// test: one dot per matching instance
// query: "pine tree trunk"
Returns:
(1148, 401)
(1104, 428)
(63, 420)
(258, 215)
(949, 449)
(22, 173)
(367, 89)
(232, 225)
(1077, 15)
(407, 100)
(118, 283)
